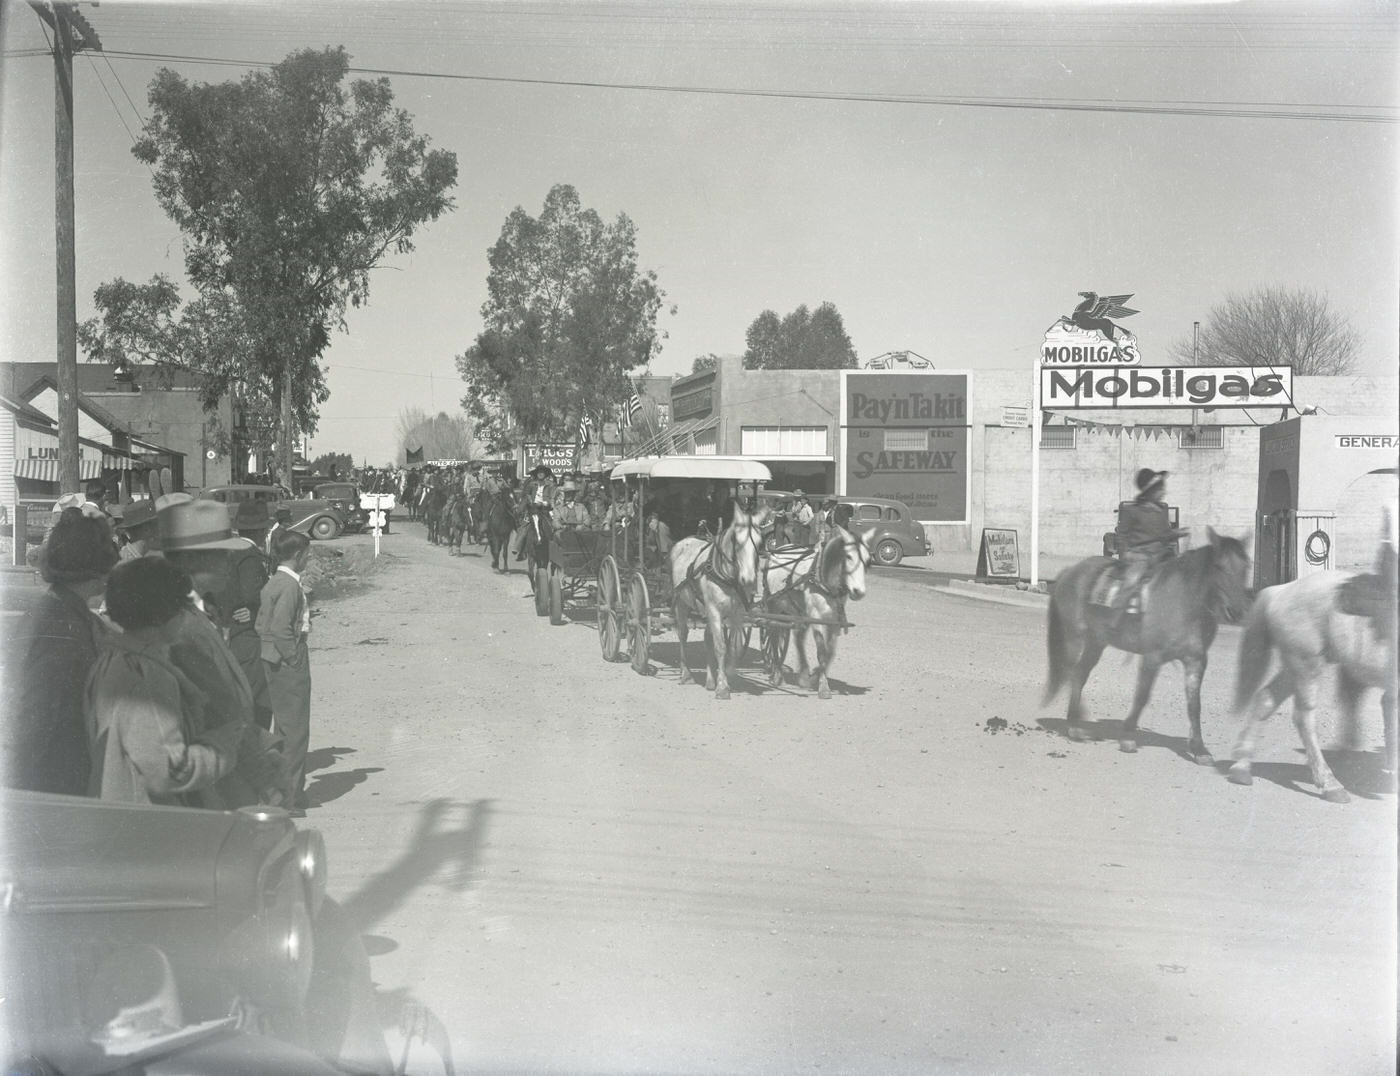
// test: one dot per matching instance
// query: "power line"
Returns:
(1329, 113)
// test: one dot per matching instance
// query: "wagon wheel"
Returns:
(609, 610)
(639, 624)
(556, 594)
(539, 580)
(774, 644)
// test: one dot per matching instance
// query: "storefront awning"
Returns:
(48, 470)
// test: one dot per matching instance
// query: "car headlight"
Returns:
(271, 952)
(311, 863)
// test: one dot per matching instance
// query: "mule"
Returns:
(1302, 622)
(717, 579)
(1182, 605)
(500, 525)
(813, 584)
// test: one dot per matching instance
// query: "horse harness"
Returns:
(720, 569)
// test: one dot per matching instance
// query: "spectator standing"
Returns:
(283, 624)
(47, 748)
(143, 714)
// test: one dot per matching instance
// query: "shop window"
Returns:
(1057, 436)
(775, 441)
(906, 440)
(1201, 437)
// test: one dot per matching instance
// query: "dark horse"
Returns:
(500, 525)
(1184, 601)
(457, 517)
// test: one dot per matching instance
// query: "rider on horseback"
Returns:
(539, 497)
(1146, 536)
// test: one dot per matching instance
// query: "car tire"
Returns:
(888, 552)
(324, 529)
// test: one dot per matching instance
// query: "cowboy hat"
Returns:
(165, 500)
(542, 469)
(196, 524)
(1147, 478)
(570, 486)
(798, 493)
(251, 516)
(137, 514)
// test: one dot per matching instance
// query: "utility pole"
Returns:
(71, 33)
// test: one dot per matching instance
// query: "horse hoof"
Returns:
(1128, 747)
(1240, 777)
(1077, 734)
(824, 693)
(776, 680)
(722, 693)
(1203, 758)
(1336, 795)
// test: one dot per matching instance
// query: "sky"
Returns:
(950, 176)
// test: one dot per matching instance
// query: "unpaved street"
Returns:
(583, 870)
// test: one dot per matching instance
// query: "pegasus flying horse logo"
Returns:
(1089, 337)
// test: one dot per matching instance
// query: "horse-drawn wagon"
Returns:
(722, 582)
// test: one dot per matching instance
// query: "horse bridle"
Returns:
(814, 575)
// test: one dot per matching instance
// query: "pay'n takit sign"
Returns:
(905, 437)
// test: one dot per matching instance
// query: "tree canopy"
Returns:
(290, 189)
(803, 340)
(569, 314)
(708, 361)
(437, 437)
(1274, 327)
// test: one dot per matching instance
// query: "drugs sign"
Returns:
(1095, 387)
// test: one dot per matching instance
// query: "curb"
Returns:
(995, 592)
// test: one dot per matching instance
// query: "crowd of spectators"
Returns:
(141, 674)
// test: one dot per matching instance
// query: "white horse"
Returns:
(1303, 622)
(813, 585)
(717, 578)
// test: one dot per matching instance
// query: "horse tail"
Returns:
(1056, 650)
(1256, 647)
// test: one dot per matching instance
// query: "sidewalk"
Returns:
(955, 572)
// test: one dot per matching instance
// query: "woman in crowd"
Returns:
(145, 717)
(48, 748)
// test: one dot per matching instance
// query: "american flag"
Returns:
(631, 409)
(585, 430)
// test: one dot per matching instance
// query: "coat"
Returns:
(46, 746)
(281, 615)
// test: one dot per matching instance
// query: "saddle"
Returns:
(1114, 589)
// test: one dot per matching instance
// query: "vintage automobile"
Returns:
(143, 939)
(310, 516)
(889, 527)
(355, 508)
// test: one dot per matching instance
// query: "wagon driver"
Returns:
(571, 512)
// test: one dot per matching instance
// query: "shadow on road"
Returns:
(449, 835)
(1110, 729)
(1362, 773)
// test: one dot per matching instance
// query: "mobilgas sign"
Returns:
(1096, 387)
(906, 438)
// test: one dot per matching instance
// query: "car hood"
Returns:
(61, 853)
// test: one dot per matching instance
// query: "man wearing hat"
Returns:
(229, 573)
(571, 511)
(801, 518)
(539, 498)
(1145, 533)
(136, 527)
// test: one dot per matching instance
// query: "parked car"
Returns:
(889, 527)
(142, 939)
(355, 508)
(310, 516)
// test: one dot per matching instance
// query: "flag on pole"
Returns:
(631, 409)
(585, 430)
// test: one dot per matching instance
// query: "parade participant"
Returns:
(140, 707)
(46, 747)
(539, 500)
(658, 535)
(622, 509)
(842, 514)
(825, 522)
(571, 513)
(283, 623)
(1146, 537)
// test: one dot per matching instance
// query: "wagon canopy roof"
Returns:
(731, 468)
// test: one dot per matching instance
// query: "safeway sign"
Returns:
(1067, 388)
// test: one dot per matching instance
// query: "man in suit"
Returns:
(284, 621)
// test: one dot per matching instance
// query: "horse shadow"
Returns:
(1362, 773)
(323, 757)
(1109, 729)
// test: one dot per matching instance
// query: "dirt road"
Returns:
(579, 869)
